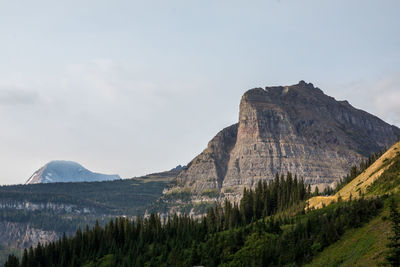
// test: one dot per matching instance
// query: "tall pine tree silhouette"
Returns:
(394, 244)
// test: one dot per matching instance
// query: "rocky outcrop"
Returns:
(294, 129)
(23, 235)
(55, 208)
(208, 169)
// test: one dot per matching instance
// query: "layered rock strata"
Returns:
(295, 129)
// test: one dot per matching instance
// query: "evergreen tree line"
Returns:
(268, 198)
(393, 256)
(229, 235)
(125, 196)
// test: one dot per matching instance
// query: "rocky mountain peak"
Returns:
(67, 171)
(295, 128)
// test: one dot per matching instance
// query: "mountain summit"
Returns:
(67, 171)
(281, 129)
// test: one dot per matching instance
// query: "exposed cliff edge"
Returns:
(283, 129)
(23, 235)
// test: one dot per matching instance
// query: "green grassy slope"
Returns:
(362, 183)
(366, 246)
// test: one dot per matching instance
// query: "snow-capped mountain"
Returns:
(67, 171)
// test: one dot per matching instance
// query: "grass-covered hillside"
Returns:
(365, 246)
(379, 178)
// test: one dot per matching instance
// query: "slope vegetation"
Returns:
(364, 246)
(361, 184)
(238, 235)
(255, 232)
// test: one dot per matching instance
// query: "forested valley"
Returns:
(269, 227)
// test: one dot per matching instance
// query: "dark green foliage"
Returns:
(127, 196)
(394, 245)
(271, 197)
(5, 252)
(12, 261)
(230, 235)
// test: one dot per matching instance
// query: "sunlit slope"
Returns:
(360, 183)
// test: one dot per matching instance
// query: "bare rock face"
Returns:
(23, 235)
(207, 171)
(294, 129)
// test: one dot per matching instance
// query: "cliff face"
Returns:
(294, 129)
(207, 171)
(23, 235)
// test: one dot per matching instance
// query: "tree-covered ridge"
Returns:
(51, 222)
(63, 207)
(119, 197)
(255, 232)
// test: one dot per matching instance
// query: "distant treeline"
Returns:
(128, 197)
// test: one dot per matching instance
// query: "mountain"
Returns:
(282, 129)
(67, 171)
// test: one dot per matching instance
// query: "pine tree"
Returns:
(12, 261)
(24, 262)
(316, 191)
(394, 245)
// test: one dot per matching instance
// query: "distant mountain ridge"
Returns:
(67, 171)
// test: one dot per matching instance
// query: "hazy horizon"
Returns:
(132, 88)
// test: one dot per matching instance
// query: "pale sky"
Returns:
(134, 87)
